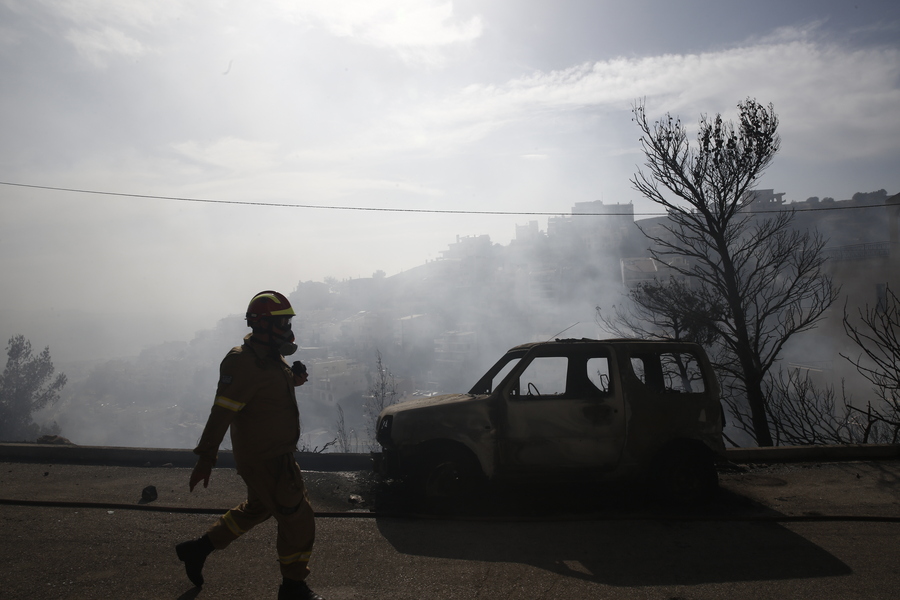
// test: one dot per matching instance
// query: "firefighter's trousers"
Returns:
(275, 488)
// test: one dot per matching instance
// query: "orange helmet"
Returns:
(268, 304)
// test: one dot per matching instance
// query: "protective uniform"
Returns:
(255, 398)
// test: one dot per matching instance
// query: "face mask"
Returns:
(279, 336)
(283, 339)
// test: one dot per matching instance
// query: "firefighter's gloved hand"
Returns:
(201, 472)
(300, 374)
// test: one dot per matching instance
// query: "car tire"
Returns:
(687, 476)
(449, 481)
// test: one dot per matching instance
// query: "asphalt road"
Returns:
(782, 531)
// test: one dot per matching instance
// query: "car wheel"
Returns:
(449, 482)
(688, 476)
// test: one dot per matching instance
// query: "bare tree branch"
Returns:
(877, 335)
(382, 394)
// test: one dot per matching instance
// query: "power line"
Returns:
(317, 206)
(389, 209)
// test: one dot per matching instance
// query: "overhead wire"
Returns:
(315, 206)
(388, 209)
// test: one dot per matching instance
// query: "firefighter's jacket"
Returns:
(255, 397)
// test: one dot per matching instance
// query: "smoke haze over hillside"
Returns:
(263, 144)
(437, 327)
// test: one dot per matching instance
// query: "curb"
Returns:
(787, 454)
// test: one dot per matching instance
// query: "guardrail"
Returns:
(158, 457)
(337, 461)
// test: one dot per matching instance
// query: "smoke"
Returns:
(160, 397)
(438, 327)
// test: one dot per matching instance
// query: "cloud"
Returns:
(831, 99)
(100, 30)
(9, 36)
(888, 27)
(835, 103)
(416, 29)
(233, 154)
(120, 13)
(98, 46)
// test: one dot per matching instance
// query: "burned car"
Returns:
(573, 410)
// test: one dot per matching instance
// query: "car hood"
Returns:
(431, 401)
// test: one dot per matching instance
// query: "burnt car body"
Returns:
(566, 410)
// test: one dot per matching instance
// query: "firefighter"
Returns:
(255, 398)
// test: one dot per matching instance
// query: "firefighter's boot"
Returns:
(193, 554)
(291, 589)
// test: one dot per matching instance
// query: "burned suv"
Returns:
(566, 409)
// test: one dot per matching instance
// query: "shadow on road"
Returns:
(625, 553)
(620, 537)
(191, 594)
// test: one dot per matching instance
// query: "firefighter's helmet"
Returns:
(268, 304)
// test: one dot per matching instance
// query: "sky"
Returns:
(248, 136)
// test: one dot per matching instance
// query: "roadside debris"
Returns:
(148, 494)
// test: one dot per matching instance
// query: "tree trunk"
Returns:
(757, 401)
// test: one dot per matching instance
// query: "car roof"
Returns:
(585, 341)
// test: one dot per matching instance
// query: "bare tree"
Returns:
(666, 310)
(766, 276)
(305, 447)
(346, 438)
(878, 338)
(803, 413)
(382, 393)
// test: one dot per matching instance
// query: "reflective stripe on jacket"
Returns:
(255, 397)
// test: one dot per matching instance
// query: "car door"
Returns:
(562, 412)
(669, 397)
